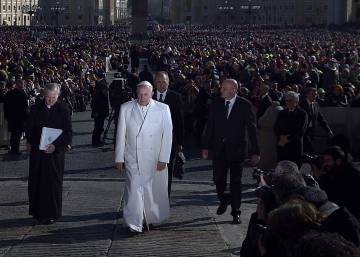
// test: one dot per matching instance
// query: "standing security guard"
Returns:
(100, 110)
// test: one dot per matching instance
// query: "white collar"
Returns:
(232, 100)
(143, 107)
(159, 93)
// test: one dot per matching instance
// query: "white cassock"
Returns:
(144, 138)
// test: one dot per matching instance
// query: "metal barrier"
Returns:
(343, 120)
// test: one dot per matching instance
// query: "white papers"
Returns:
(48, 136)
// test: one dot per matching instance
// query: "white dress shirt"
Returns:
(158, 95)
(232, 101)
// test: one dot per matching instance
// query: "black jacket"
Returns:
(292, 123)
(58, 116)
(100, 101)
(229, 138)
(314, 117)
(16, 109)
(173, 100)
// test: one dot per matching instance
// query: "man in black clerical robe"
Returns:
(290, 128)
(46, 167)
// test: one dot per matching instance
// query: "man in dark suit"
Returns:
(16, 110)
(265, 100)
(311, 107)
(231, 123)
(165, 95)
(100, 110)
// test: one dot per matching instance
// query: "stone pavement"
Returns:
(92, 217)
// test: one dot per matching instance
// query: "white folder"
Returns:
(48, 136)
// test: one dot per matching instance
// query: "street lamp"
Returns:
(30, 9)
(250, 7)
(226, 8)
(57, 9)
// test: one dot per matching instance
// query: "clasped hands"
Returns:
(284, 139)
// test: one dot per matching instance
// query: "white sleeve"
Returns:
(166, 139)
(120, 137)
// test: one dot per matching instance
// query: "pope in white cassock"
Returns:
(143, 146)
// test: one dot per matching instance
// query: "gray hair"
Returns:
(51, 87)
(145, 84)
(291, 95)
(284, 167)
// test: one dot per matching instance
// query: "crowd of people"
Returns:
(227, 89)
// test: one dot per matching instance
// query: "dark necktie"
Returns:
(227, 105)
(312, 109)
(161, 98)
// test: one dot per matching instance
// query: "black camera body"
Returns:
(266, 174)
(315, 160)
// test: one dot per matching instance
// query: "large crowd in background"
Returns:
(198, 59)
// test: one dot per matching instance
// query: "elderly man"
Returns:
(46, 167)
(231, 124)
(143, 146)
(289, 128)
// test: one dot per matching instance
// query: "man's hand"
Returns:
(205, 154)
(120, 166)
(283, 140)
(161, 166)
(50, 149)
(254, 159)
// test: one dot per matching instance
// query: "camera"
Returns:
(316, 160)
(266, 174)
(260, 232)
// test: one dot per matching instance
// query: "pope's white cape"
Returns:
(141, 144)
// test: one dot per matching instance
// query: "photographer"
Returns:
(258, 221)
(341, 180)
(287, 183)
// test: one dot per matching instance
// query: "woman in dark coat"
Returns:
(290, 128)
(46, 167)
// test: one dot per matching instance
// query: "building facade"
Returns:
(18, 12)
(264, 12)
(160, 9)
(355, 11)
(121, 10)
(78, 12)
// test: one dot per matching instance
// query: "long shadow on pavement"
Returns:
(86, 170)
(71, 235)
